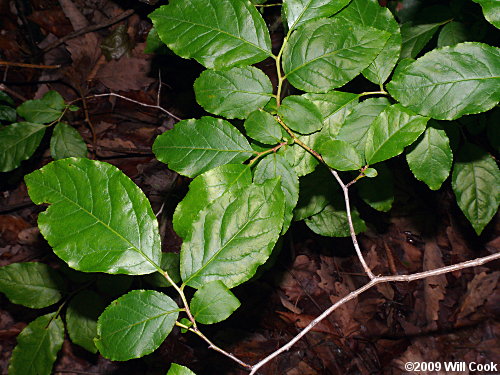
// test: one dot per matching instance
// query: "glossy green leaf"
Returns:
(475, 182)
(7, 114)
(334, 106)
(67, 142)
(154, 44)
(356, 125)
(370, 172)
(5, 98)
(206, 188)
(300, 114)
(34, 285)
(298, 12)
(370, 13)
(81, 318)
(378, 191)
(430, 157)
(328, 53)
(19, 142)
(263, 127)
(273, 166)
(491, 10)
(176, 369)
(170, 262)
(233, 236)
(415, 38)
(453, 33)
(332, 220)
(316, 190)
(340, 155)
(449, 82)
(394, 129)
(301, 160)
(47, 109)
(37, 346)
(195, 146)
(217, 33)
(98, 219)
(213, 303)
(233, 93)
(135, 324)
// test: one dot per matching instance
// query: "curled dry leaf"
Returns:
(478, 290)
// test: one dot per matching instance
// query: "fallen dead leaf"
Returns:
(435, 286)
(478, 290)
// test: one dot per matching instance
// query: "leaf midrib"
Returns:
(112, 230)
(256, 212)
(268, 53)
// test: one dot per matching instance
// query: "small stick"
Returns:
(24, 65)
(88, 29)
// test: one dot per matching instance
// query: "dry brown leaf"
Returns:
(303, 320)
(435, 286)
(478, 290)
(127, 73)
(302, 276)
(302, 369)
(326, 271)
(287, 304)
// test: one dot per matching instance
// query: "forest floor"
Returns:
(449, 318)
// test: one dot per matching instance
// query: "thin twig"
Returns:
(139, 103)
(345, 190)
(88, 29)
(12, 92)
(377, 280)
(32, 66)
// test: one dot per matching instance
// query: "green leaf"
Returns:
(314, 194)
(67, 142)
(340, 155)
(394, 129)
(273, 166)
(170, 262)
(450, 82)
(135, 324)
(301, 160)
(233, 236)
(154, 44)
(213, 303)
(334, 106)
(491, 10)
(206, 188)
(47, 109)
(263, 127)
(370, 13)
(195, 146)
(99, 220)
(300, 114)
(378, 192)
(475, 182)
(233, 93)
(19, 142)
(328, 53)
(217, 33)
(7, 114)
(430, 157)
(34, 285)
(176, 369)
(298, 12)
(370, 172)
(81, 318)
(332, 221)
(453, 33)
(4, 98)
(415, 38)
(356, 125)
(37, 346)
